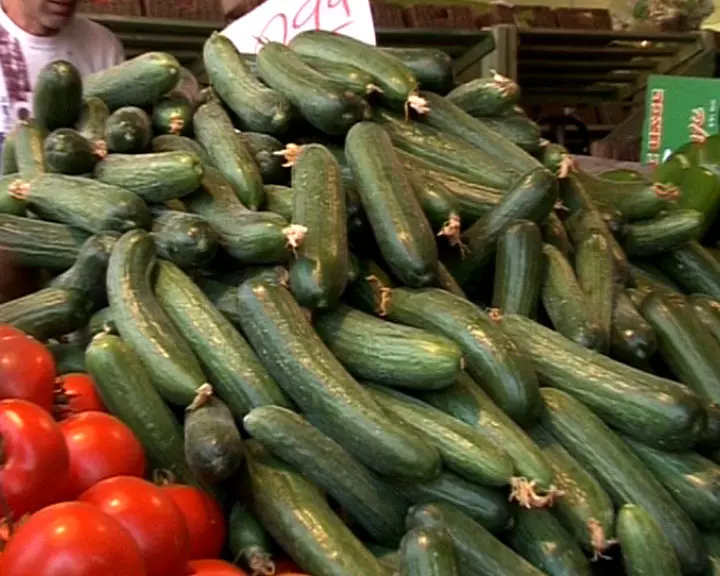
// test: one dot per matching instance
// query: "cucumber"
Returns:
(467, 402)
(91, 123)
(399, 225)
(463, 450)
(585, 509)
(518, 129)
(173, 143)
(144, 325)
(447, 282)
(661, 234)
(185, 239)
(710, 437)
(279, 199)
(701, 192)
(223, 296)
(428, 551)
(432, 68)
(487, 506)
(69, 357)
(647, 278)
(320, 101)
(247, 540)
(479, 553)
(308, 372)
(491, 357)
(594, 268)
(265, 149)
(233, 158)
(140, 81)
(489, 96)
(46, 313)
(645, 549)
(173, 115)
(125, 387)
(692, 480)
(29, 152)
(632, 337)
(622, 175)
(371, 290)
(685, 345)
(532, 198)
(68, 152)
(8, 160)
(128, 130)
(693, 268)
(259, 108)
(38, 244)
(346, 77)
(439, 206)
(519, 268)
(643, 406)
(57, 96)
(554, 233)
(539, 538)
(8, 204)
(214, 449)
(155, 178)
(621, 473)
(318, 273)
(556, 158)
(567, 305)
(296, 514)
(708, 310)
(376, 507)
(234, 370)
(102, 321)
(85, 204)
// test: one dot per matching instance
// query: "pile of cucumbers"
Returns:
(389, 327)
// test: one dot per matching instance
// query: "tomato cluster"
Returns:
(73, 498)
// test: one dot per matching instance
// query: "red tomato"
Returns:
(77, 393)
(204, 519)
(27, 369)
(100, 447)
(8, 331)
(72, 538)
(34, 459)
(151, 517)
(214, 568)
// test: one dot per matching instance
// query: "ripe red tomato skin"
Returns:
(100, 447)
(80, 393)
(35, 459)
(27, 369)
(214, 568)
(71, 538)
(150, 516)
(9, 331)
(204, 519)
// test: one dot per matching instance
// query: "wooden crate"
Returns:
(534, 17)
(234, 9)
(386, 15)
(184, 9)
(431, 16)
(115, 7)
(495, 13)
(583, 19)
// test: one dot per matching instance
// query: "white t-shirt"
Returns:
(86, 44)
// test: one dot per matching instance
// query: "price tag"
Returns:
(282, 20)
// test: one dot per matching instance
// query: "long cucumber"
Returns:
(645, 549)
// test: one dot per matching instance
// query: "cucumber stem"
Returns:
(417, 103)
(18, 189)
(373, 89)
(100, 149)
(385, 295)
(451, 230)
(523, 491)
(295, 233)
(598, 540)
(203, 394)
(258, 561)
(567, 165)
(667, 192)
(290, 153)
(177, 124)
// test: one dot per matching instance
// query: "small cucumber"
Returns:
(68, 152)
(185, 239)
(645, 549)
(247, 540)
(173, 143)
(128, 131)
(213, 447)
(554, 233)
(488, 96)
(428, 551)
(632, 337)
(594, 268)
(433, 68)
(173, 115)
(29, 152)
(279, 199)
(661, 234)
(57, 96)
(692, 267)
(91, 123)
(46, 313)
(265, 149)
(708, 310)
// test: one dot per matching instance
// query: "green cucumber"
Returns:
(693, 268)
(128, 130)
(126, 389)
(467, 402)
(489, 96)
(708, 310)
(556, 158)
(622, 175)
(231, 156)
(432, 68)
(102, 321)
(646, 407)
(173, 143)
(428, 551)
(621, 473)
(156, 178)
(387, 353)
(566, 304)
(463, 450)
(647, 278)
(247, 540)
(491, 357)
(259, 108)
(447, 281)
(318, 273)
(320, 101)
(375, 506)
(539, 538)
(692, 480)
(371, 290)
(645, 549)
(710, 437)
(296, 514)
(265, 149)
(68, 152)
(8, 204)
(661, 234)
(701, 192)
(214, 449)
(487, 506)
(439, 206)
(554, 233)
(399, 225)
(516, 128)
(632, 337)
(279, 199)
(57, 96)
(308, 372)
(584, 509)
(594, 268)
(532, 198)
(85, 204)
(144, 325)
(684, 343)
(69, 357)
(91, 122)
(345, 76)
(38, 244)
(479, 553)
(141, 81)
(29, 152)
(173, 115)
(519, 270)
(185, 239)
(46, 313)
(8, 160)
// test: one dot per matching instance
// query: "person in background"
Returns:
(33, 33)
